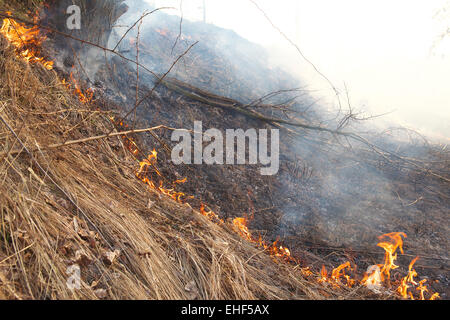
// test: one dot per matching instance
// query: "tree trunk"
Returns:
(97, 20)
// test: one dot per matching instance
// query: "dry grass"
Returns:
(88, 203)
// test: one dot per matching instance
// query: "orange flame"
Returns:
(390, 248)
(408, 279)
(84, 97)
(395, 241)
(336, 274)
(274, 250)
(323, 275)
(25, 40)
(374, 277)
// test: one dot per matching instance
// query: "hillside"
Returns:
(80, 193)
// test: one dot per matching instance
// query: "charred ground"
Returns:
(328, 203)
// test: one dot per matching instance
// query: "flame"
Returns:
(390, 256)
(129, 142)
(180, 181)
(435, 296)
(84, 97)
(26, 41)
(339, 272)
(408, 279)
(241, 225)
(378, 274)
(336, 276)
(306, 272)
(422, 289)
(372, 278)
(323, 275)
(211, 215)
(142, 174)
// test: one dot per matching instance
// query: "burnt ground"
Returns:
(327, 204)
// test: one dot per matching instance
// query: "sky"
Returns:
(380, 51)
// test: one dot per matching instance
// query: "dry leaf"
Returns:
(63, 203)
(82, 258)
(192, 289)
(110, 256)
(94, 284)
(190, 286)
(88, 236)
(75, 224)
(101, 293)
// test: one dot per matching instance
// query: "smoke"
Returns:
(353, 193)
(395, 64)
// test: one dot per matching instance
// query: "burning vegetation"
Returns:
(138, 230)
(27, 41)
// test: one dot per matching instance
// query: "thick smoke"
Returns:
(330, 189)
(354, 193)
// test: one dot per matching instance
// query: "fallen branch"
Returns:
(103, 136)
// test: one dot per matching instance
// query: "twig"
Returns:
(160, 80)
(103, 136)
(140, 19)
(299, 51)
(137, 72)
(16, 253)
(181, 23)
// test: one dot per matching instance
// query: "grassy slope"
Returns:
(88, 203)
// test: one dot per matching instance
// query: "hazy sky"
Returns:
(380, 49)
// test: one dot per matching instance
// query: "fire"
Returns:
(390, 248)
(142, 174)
(379, 274)
(323, 275)
(336, 276)
(241, 225)
(84, 97)
(274, 250)
(435, 296)
(129, 143)
(211, 215)
(149, 164)
(372, 278)
(26, 41)
(339, 272)
(422, 288)
(408, 279)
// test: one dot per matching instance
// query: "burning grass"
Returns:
(27, 41)
(84, 206)
(166, 249)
